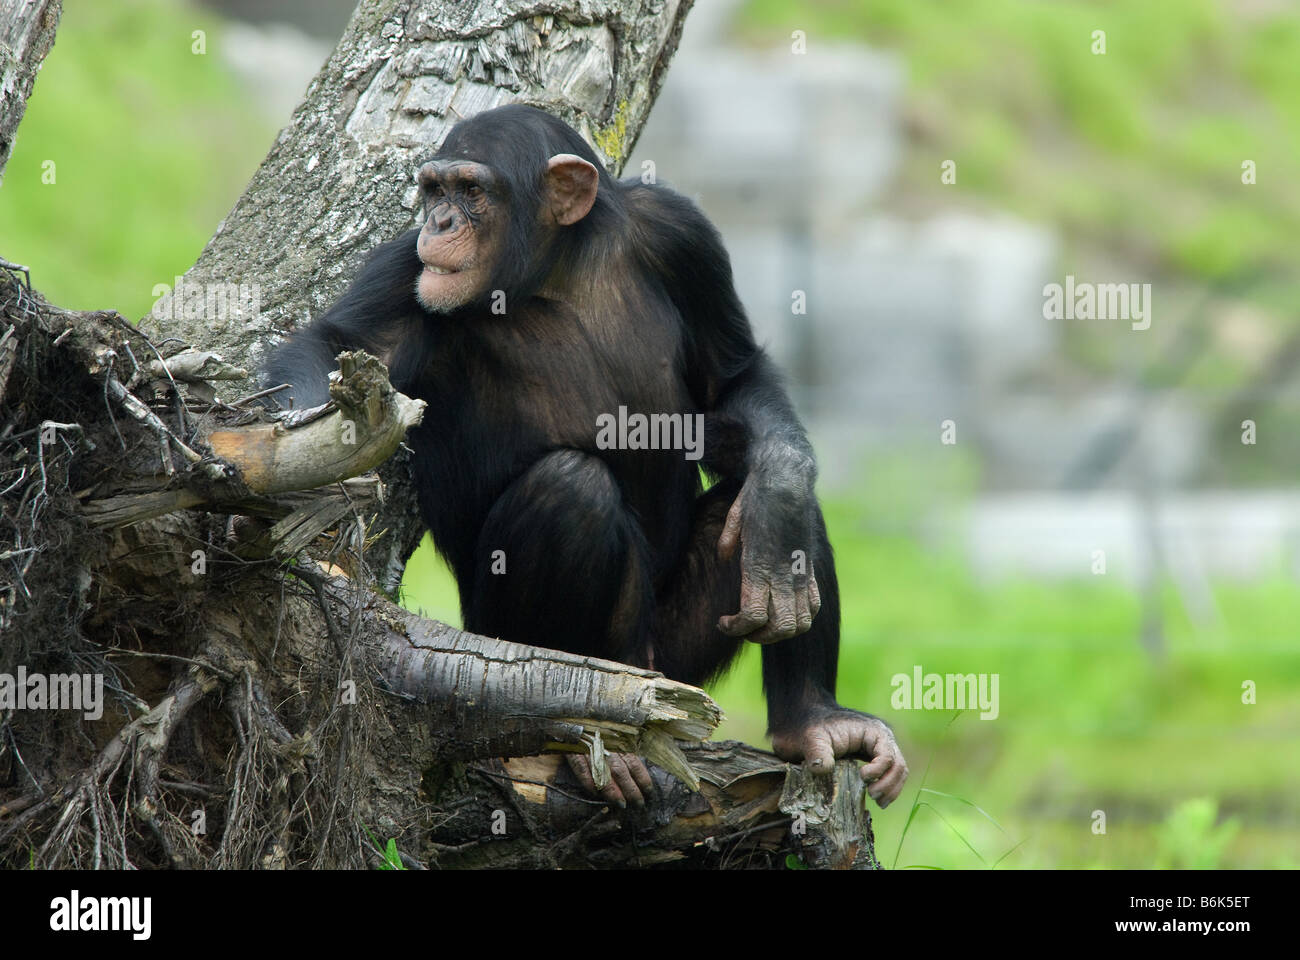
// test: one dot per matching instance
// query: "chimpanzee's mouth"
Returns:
(441, 271)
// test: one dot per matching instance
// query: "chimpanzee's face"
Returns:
(465, 222)
(470, 222)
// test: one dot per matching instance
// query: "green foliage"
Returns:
(1192, 839)
(918, 804)
(390, 858)
(1135, 156)
(1139, 148)
(151, 146)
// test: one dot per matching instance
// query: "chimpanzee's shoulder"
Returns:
(669, 222)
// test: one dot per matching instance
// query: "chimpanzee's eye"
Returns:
(474, 191)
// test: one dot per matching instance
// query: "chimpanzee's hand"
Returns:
(629, 780)
(773, 516)
(837, 732)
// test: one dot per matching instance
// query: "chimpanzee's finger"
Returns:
(730, 535)
(753, 610)
(802, 612)
(610, 792)
(773, 629)
(621, 775)
(783, 617)
(877, 767)
(886, 790)
(818, 753)
(641, 774)
(582, 771)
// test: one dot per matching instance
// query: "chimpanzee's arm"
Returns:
(375, 310)
(774, 520)
(727, 372)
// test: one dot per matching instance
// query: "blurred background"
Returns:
(1105, 518)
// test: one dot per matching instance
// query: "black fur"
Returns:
(608, 552)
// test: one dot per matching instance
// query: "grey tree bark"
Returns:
(268, 707)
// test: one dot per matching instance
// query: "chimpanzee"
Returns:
(541, 300)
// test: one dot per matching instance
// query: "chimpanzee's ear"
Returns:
(570, 188)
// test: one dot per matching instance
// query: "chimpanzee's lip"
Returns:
(441, 271)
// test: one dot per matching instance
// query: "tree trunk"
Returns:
(264, 704)
(26, 35)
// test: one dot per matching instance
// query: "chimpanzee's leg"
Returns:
(805, 721)
(687, 644)
(798, 674)
(562, 563)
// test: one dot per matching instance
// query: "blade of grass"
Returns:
(958, 832)
(911, 814)
(951, 796)
(1005, 855)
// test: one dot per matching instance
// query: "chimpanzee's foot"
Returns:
(629, 780)
(831, 733)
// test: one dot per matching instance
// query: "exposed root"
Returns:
(86, 809)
